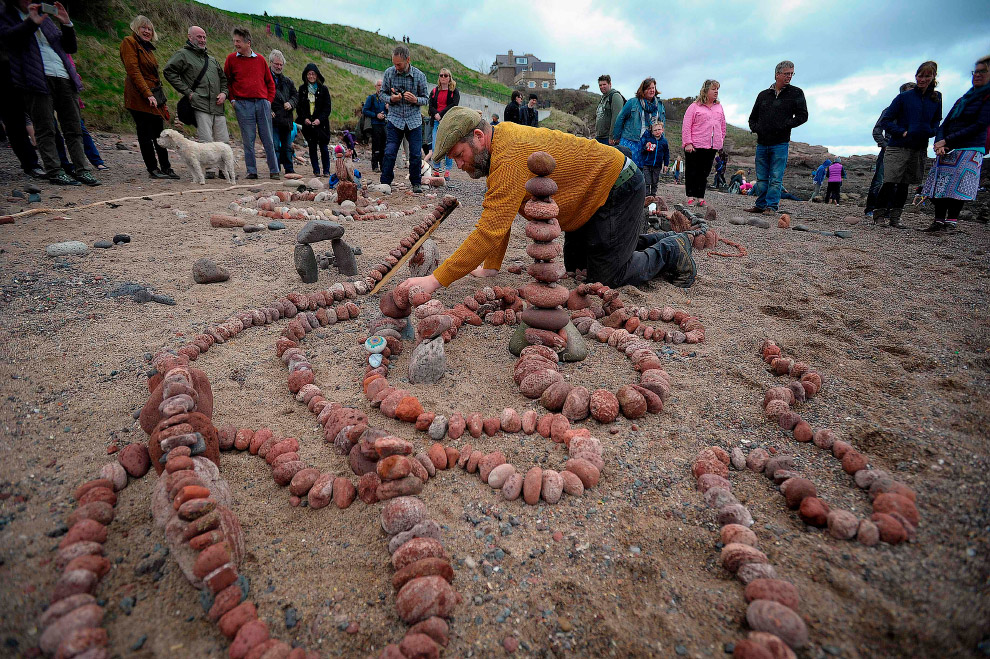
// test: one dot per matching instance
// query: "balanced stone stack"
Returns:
(545, 322)
(316, 231)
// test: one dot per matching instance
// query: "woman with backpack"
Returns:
(636, 117)
(313, 117)
(960, 146)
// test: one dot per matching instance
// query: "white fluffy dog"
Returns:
(198, 155)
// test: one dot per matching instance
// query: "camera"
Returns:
(49, 9)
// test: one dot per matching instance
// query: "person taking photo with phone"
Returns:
(39, 44)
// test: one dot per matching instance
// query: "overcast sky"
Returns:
(849, 57)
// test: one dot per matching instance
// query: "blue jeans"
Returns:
(770, 164)
(448, 164)
(393, 138)
(254, 116)
(92, 153)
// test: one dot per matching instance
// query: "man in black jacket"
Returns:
(286, 99)
(512, 110)
(532, 115)
(777, 110)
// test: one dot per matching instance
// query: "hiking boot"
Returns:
(757, 210)
(417, 189)
(935, 227)
(252, 177)
(37, 172)
(87, 179)
(170, 173)
(210, 175)
(682, 270)
(157, 173)
(61, 178)
(880, 216)
(275, 176)
(895, 218)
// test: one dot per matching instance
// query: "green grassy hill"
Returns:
(104, 24)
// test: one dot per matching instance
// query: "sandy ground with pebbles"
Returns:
(896, 323)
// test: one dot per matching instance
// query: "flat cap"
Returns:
(455, 126)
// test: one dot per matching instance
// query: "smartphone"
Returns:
(49, 9)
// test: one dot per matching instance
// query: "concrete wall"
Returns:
(486, 106)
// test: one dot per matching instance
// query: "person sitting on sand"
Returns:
(601, 195)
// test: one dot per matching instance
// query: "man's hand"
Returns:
(409, 97)
(316, 122)
(688, 148)
(35, 15)
(63, 15)
(381, 115)
(437, 116)
(287, 106)
(428, 283)
(273, 115)
(482, 271)
(221, 97)
(395, 98)
(611, 140)
(152, 102)
(308, 122)
(939, 148)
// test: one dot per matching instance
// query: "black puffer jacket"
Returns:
(774, 115)
(320, 109)
(285, 92)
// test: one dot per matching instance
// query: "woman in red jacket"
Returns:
(702, 135)
(443, 97)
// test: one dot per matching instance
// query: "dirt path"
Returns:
(896, 323)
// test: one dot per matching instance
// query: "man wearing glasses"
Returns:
(407, 90)
(777, 110)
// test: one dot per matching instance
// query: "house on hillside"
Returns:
(524, 71)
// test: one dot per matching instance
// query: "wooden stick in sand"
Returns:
(412, 250)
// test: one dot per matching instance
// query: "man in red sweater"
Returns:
(252, 90)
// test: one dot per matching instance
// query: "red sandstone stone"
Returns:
(135, 459)
(775, 590)
(890, 503)
(425, 597)
(813, 511)
(438, 456)
(343, 492)
(532, 484)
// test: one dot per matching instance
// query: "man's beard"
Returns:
(481, 162)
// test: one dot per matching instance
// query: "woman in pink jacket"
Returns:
(702, 135)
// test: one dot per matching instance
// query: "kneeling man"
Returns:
(600, 193)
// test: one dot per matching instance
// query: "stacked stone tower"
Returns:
(545, 321)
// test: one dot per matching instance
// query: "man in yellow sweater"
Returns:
(600, 193)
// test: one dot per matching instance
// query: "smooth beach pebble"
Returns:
(779, 620)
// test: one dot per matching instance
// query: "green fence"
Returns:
(346, 53)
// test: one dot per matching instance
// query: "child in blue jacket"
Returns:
(655, 154)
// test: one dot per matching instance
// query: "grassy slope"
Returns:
(99, 62)
(427, 59)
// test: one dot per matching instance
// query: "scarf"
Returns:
(649, 108)
(147, 45)
(965, 99)
(312, 88)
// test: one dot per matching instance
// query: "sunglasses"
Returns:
(444, 75)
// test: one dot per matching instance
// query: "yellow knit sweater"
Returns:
(585, 173)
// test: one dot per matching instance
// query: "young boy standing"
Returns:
(656, 155)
